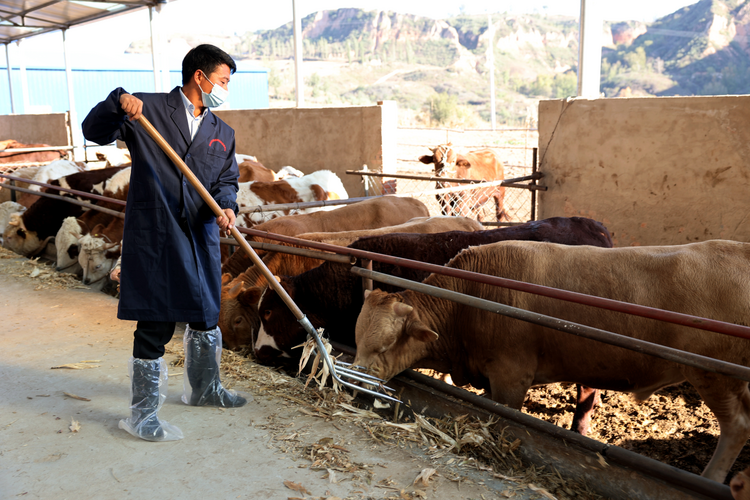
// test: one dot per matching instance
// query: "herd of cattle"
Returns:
(394, 329)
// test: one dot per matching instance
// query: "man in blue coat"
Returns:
(171, 267)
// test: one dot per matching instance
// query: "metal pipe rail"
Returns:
(613, 454)
(579, 298)
(68, 199)
(34, 150)
(615, 339)
(304, 252)
(59, 188)
(370, 173)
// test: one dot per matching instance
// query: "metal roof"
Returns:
(25, 18)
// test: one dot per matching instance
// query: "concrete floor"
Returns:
(225, 453)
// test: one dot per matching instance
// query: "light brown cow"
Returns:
(482, 164)
(740, 485)
(238, 316)
(368, 214)
(507, 356)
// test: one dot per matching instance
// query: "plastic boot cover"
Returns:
(148, 390)
(202, 383)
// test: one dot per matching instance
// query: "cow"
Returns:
(239, 319)
(100, 250)
(288, 171)
(114, 157)
(331, 296)
(25, 199)
(29, 233)
(740, 485)
(252, 170)
(479, 165)
(72, 229)
(54, 170)
(506, 356)
(7, 155)
(376, 212)
(6, 209)
(321, 185)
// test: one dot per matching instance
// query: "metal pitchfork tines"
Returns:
(345, 372)
(346, 369)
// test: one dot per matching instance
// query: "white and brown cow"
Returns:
(321, 185)
(67, 240)
(482, 164)
(100, 250)
(508, 356)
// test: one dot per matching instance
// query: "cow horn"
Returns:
(401, 309)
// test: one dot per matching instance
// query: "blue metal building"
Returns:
(48, 92)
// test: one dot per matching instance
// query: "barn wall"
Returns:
(309, 139)
(655, 171)
(47, 128)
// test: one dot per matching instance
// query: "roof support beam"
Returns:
(590, 49)
(72, 115)
(298, 57)
(10, 79)
(24, 80)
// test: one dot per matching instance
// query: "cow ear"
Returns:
(367, 293)
(463, 163)
(97, 229)
(225, 279)
(427, 159)
(251, 296)
(401, 309)
(420, 332)
(234, 291)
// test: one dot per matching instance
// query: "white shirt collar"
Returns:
(194, 122)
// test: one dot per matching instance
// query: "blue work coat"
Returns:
(171, 264)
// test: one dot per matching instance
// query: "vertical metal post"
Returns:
(10, 79)
(298, 56)
(24, 81)
(491, 60)
(534, 159)
(71, 97)
(154, 58)
(367, 283)
(590, 49)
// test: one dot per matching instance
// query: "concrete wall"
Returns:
(48, 128)
(655, 171)
(309, 139)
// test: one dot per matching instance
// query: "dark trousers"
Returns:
(150, 337)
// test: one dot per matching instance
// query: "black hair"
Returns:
(206, 58)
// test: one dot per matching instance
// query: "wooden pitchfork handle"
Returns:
(203, 192)
(301, 318)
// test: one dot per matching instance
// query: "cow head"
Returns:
(740, 485)
(390, 336)
(20, 240)
(68, 247)
(97, 257)
(238, 314)
(280, 331)
(444, 158)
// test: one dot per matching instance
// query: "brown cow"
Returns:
(251, 171)
(506, 356)
(740, 485)
(368, 214)
(482, 164)
(7, 155)
(238, 316)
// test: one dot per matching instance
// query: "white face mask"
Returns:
(217, 96)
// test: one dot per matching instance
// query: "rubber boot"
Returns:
(148, 390)
(202, 383)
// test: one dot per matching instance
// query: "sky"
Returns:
(102, 44)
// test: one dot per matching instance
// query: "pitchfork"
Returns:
(345, 369)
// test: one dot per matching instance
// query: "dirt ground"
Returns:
(63, 366)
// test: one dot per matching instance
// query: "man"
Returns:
(170, 259)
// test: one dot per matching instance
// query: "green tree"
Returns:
(443, 107)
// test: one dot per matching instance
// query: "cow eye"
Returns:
(266, 314)
(21, 233)
(238, 320)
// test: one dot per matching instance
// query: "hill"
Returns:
(438, 69)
